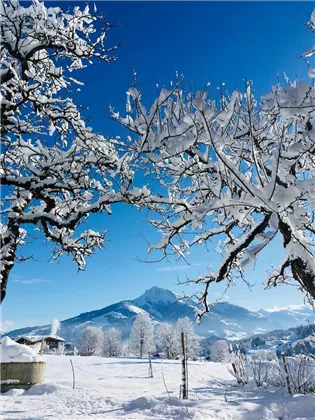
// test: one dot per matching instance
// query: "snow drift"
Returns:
(14, 352)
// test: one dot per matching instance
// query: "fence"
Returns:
(187, 379)
(161, 379)
(166, 382)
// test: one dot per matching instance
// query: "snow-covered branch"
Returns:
(240, 171)
(55, 171)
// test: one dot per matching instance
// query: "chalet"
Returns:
(51, 341)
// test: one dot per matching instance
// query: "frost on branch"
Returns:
(55, 171)
(240, 172)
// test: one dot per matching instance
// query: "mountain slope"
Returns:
(224, 320)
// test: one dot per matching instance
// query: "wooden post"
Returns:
(73, 375)
(166, 386)
(150, 366)
(286, 370)
(184, 368)
(42, 344)
(236, 374)
(186, 374)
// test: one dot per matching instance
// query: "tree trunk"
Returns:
(8, 246)
(301, 272)
(3, 293)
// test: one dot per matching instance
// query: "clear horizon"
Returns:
(226, 299)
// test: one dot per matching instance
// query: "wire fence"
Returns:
(166, 382)
(203, 387)
(208, 384)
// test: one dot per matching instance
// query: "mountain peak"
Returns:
(290, 308)
(157, 295)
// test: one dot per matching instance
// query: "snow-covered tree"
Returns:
(220, 351)
(113, 346)
(303, 346)
(261, 365)
(126, 348)
(301, 376)
(238, 366)
(305, 330)
(167, 339)
(239, 171)
(192, 340)
(55, 170)
(61, 349)
(258, 341)
(92, 341)
(142, 335)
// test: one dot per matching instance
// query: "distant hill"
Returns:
(293, 341)
(225, 320)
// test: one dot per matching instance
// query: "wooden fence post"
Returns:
(286, 370)
(150, 366)
(73, 375)
(42, 345)
(184, 369)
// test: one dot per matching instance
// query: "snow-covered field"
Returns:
(120, 388)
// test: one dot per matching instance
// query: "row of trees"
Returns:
(142, 339)
(239, 170)
(96, 342)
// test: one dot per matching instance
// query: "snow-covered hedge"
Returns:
(301, 373)
(264, 369)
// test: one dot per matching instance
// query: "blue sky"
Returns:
(215, 41)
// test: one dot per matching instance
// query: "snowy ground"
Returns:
(108, 388)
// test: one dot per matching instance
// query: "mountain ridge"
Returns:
(225, 319)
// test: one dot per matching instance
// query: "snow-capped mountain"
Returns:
(224, 320)
(291, 315)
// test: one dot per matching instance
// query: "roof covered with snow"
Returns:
(37, 338)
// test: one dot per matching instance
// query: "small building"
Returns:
(51, 341)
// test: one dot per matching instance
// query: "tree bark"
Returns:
(9, 241)
(301, 272)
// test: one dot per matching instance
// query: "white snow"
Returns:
(14, 352)
(135, 309)
(292, 308)
(118, 388)
(234, 335)
(10, 381)
(38, 338)
(224, 315)
(156, 295)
